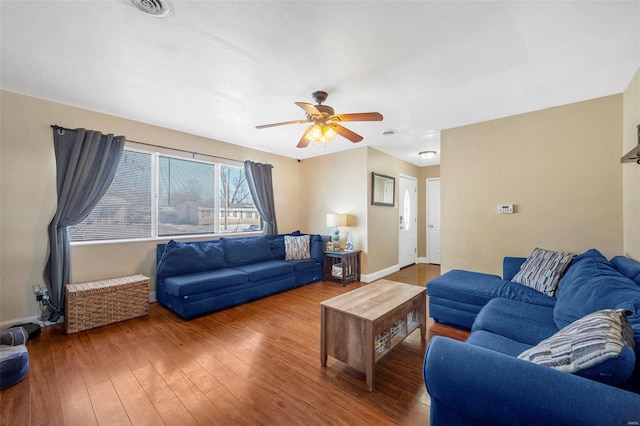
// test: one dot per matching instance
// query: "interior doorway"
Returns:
(433, 220)
(408, 222)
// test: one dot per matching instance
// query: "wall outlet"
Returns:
(42, 293)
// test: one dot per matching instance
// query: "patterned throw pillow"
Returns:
(296, 247)
(543, 269)
(599, 346)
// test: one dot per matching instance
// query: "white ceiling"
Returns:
(219, 68)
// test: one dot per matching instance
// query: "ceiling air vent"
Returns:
(158, 8)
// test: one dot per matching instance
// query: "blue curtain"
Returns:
(86, 162)
(261, 188)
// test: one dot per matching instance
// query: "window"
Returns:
(235, 199)
(125, 209)
(186, 197)
(155, 195)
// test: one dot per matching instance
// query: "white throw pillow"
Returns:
(296, 247)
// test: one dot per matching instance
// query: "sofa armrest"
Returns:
(489, 387)
(511, 266)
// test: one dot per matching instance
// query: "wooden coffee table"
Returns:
(363, 325)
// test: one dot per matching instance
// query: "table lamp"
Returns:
(336, 219)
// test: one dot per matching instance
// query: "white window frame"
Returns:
(155, 200)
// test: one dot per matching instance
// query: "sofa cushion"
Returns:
(242, 251)
(263, 270)
(497, 343)
(526, 323)
(599, 346)
(627, 267)
(477, 289)
(200, 282)
(297, 247)
(277, 247)
(181, 258)
(316, 249)
(591, 284)
(633, 306)
(543, 269)
(304, 264)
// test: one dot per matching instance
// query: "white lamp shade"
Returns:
(336, 219)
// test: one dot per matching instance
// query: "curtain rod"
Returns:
(55, 126)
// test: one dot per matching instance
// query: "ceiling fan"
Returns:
(325, 122)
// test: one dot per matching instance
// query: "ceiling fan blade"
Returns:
(264, 126)
(310, 109)
(358, 116)
(304, 141)
(346, 133)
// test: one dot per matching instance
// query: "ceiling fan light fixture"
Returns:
(325, 124)
(328, 132)
(315, 133)
(319, 133)
(427, 155)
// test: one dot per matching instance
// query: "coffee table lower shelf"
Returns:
(359, 330)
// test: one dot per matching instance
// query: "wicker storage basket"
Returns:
(96, 303)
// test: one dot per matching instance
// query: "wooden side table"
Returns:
(348, 261)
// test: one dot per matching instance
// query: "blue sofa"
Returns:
(195, 278)
(482, 381)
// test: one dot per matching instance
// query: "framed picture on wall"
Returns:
(383, 190)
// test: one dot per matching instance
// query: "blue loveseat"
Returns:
(482, 381)
(195, 278)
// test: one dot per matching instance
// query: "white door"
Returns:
(433, 221)
(408, 203)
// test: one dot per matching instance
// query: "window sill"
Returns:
(158, 240)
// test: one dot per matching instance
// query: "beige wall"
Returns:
(341, 183)
(559, 166)
(631, 172)
(334, 183)
(28, 197)
(382, 223)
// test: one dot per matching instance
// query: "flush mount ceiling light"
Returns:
(427, 155)
(157, 8)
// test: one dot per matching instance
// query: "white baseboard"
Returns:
(367, 278)
(10, 323)
(422, 260)
(34, 319)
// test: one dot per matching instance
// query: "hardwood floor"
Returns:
(258, 363)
